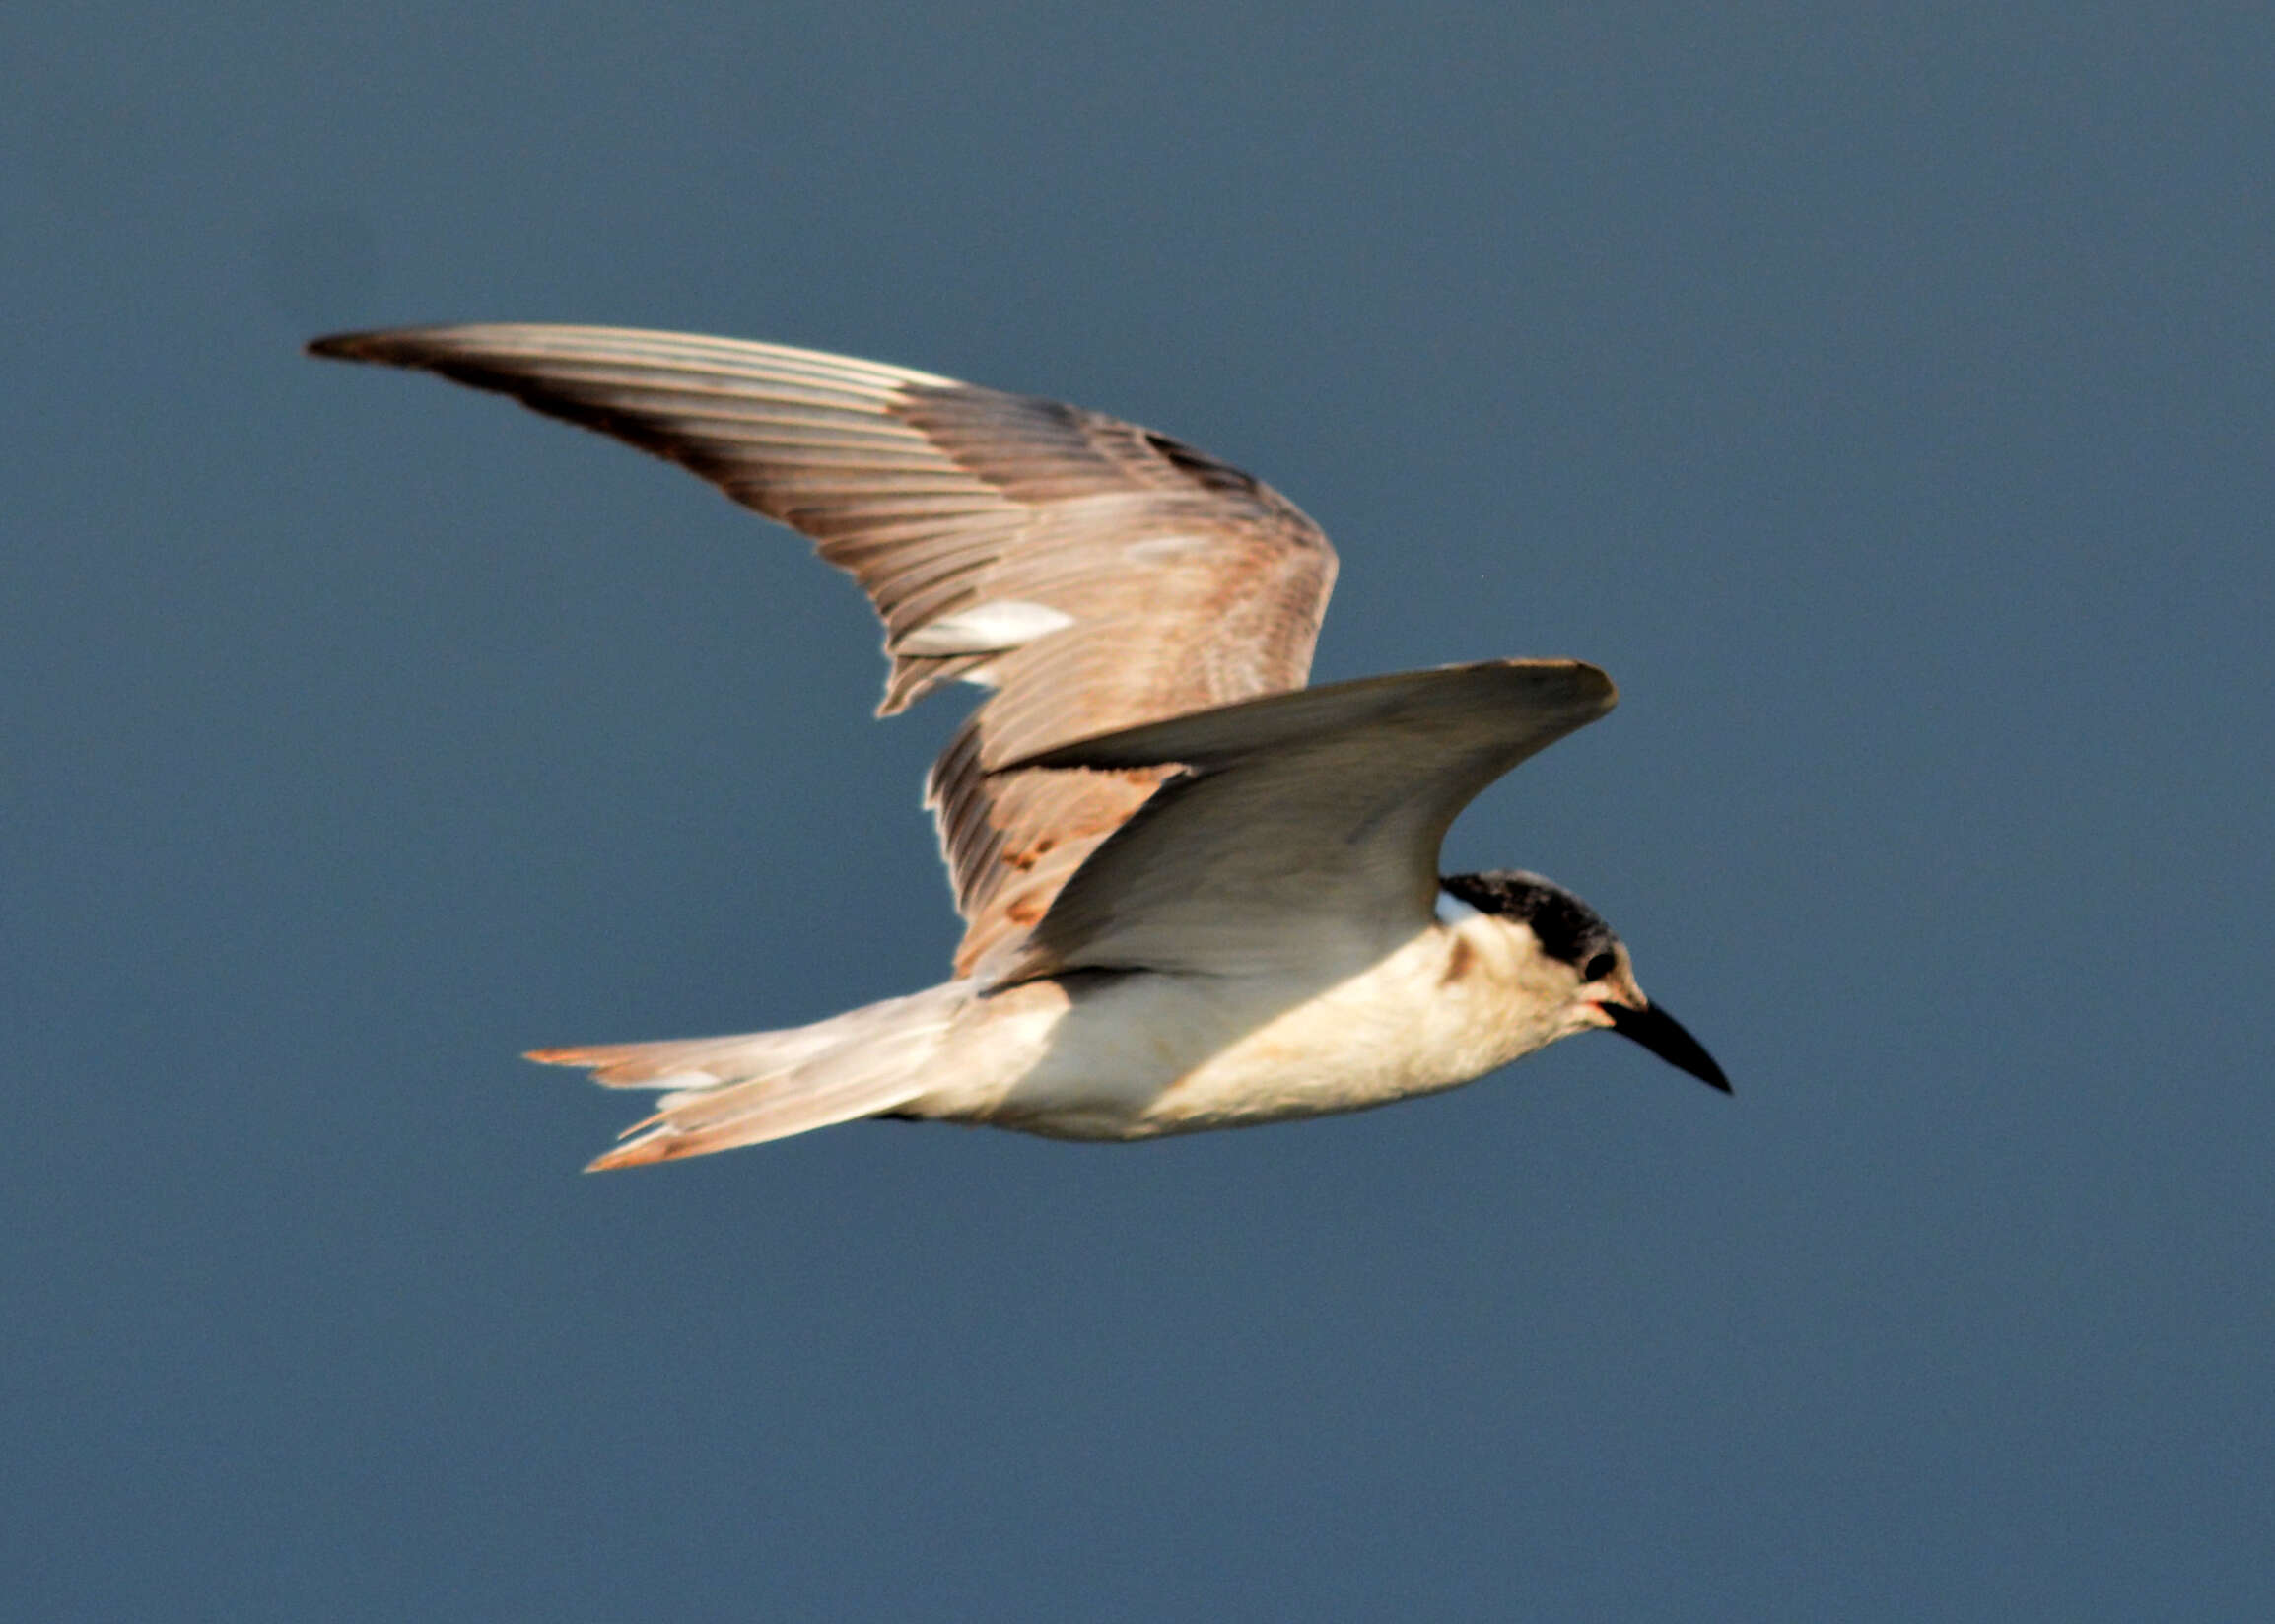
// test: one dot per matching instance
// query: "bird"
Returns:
(1196, 893)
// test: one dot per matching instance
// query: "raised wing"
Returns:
(1095, 574)
(1305, 824)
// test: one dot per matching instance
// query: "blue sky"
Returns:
(1884, 399)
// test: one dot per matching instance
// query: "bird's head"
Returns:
(1572, 961)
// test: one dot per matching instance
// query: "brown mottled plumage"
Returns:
(1188, 584)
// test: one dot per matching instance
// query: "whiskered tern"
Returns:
(1196, 893)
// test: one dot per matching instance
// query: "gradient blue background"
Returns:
(1884, 395)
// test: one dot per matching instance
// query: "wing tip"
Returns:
(417, 346)
(1606, 692)
(356, 346)
(1585, 683)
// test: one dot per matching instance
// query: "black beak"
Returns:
(1663, 1035)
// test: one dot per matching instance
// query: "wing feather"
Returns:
(1296, 820)
(1185, 583)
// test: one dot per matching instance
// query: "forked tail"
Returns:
(758, 1086)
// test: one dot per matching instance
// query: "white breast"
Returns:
(1145, 1054)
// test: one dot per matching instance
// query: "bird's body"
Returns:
(1138, 1055)
(1196, 894)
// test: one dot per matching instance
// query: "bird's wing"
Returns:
(1095, 574)
(1304, 823)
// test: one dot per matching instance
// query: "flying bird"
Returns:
(1196, 894)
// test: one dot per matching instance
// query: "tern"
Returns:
(1196, 894)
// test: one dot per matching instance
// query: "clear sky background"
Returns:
(1884, 396)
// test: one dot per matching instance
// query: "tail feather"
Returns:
(690, 1062)
(757, 1086)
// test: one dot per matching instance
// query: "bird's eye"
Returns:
(1601, 966)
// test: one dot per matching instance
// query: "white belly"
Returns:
(1144, 1055)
